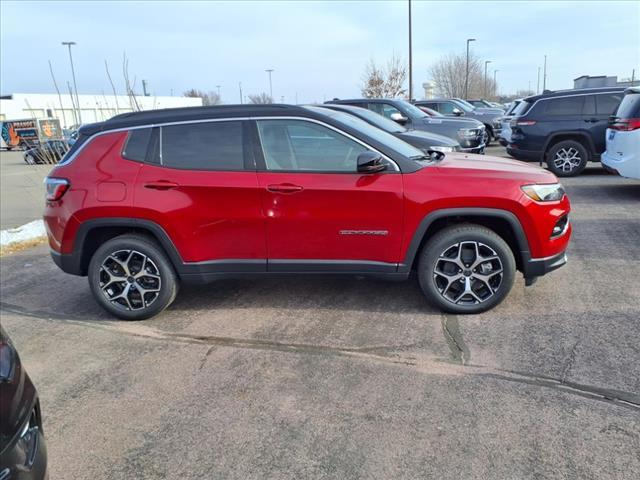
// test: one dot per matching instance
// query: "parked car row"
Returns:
(567, 129)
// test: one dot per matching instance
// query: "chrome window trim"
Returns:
(226, 119)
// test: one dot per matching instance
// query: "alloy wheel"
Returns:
(468, 273)
(567, 159)
(130, 279)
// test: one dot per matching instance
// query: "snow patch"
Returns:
(28, 231)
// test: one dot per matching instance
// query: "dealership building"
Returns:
(93, 108)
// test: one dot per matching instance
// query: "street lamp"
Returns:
(410, 58)
(269, 70)
(73, 74)
(495, 84)
(544, 76)
(466, 77)
(218, 87)
(487, 62)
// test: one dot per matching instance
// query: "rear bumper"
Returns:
(536, 267)
(526, 155)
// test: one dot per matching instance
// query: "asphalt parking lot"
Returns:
(344, 377)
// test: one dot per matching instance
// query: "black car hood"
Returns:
(426, 139)
(459, 122)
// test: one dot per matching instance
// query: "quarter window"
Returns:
(608, 103)
(137, 144)
(304, 146)
(203, 146)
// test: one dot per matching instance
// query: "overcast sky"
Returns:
(317, 49)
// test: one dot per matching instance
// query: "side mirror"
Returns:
(371, 162)
(457, 112)
(399, 118)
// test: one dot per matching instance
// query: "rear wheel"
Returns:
(29, 159)
(567, 158)
(466, 269)
(132, 278)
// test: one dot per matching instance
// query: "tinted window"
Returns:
(589, 107)
(203, 146)
(137, 143)
(607, 103)
(565, 106)
(305, 146)
(447, 108)
(630, 106)
(384, 109)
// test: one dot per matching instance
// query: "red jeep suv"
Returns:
(147, 200)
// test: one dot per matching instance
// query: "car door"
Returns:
(605, 106)
(200, 185)
(321, 214)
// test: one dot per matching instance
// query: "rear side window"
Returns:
(203, 146)
(629, 107)
(607, 103)
(137, 144)
(565, 106)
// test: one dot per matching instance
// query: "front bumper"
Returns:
(536, 267)
(525, 155)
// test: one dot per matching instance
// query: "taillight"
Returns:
(55, 188)
(624, 124)
(525, 123)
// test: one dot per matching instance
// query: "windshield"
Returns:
(466, 106)
(403, 148)
(374, 119)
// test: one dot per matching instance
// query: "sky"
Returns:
(318, 50)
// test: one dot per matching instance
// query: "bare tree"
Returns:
(129, 87)
(449, 73)
(211, 98)
(113, 87)
(260, 99)
(55, 84)
(387, 82)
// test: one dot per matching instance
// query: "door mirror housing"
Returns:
(399, 118)
(371, 162)
(457, 112)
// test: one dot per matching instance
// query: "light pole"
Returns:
(410, 58)
(73, 74)
(218, 87)
(240, 87)
(495, 84)
(538, 85)
(269, 70)
(487, 62)
(466, 77)
(544, 76)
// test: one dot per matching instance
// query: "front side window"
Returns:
(296, 145)
(203, 146)
(384, 109)
(447, 107)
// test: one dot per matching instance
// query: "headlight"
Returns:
(441, 149)
(544, 193)
(468, 132)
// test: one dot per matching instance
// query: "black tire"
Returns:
(488, 132)
(29, 159)
(137, 305)
(567, 158)
(462, 238)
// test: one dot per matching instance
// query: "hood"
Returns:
(422, 139)
(495, 167)
(457, 122)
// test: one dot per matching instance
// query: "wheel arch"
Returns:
(502, 222)
(93, 233)
(575, 135)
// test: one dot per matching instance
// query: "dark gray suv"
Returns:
(469, 133)
(455, 107)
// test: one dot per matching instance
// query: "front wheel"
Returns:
(466, 269)
(567, 158)
(132, 278)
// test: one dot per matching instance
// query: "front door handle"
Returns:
(284, 188)
(161, 185)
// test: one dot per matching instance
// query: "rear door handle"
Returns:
(591, 120)
(161, 185)
(284, 188)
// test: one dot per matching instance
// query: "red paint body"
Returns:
(212, 215)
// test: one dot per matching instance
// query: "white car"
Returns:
(623, 137)
(505, 130)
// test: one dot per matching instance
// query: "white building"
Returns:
(93, 108)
